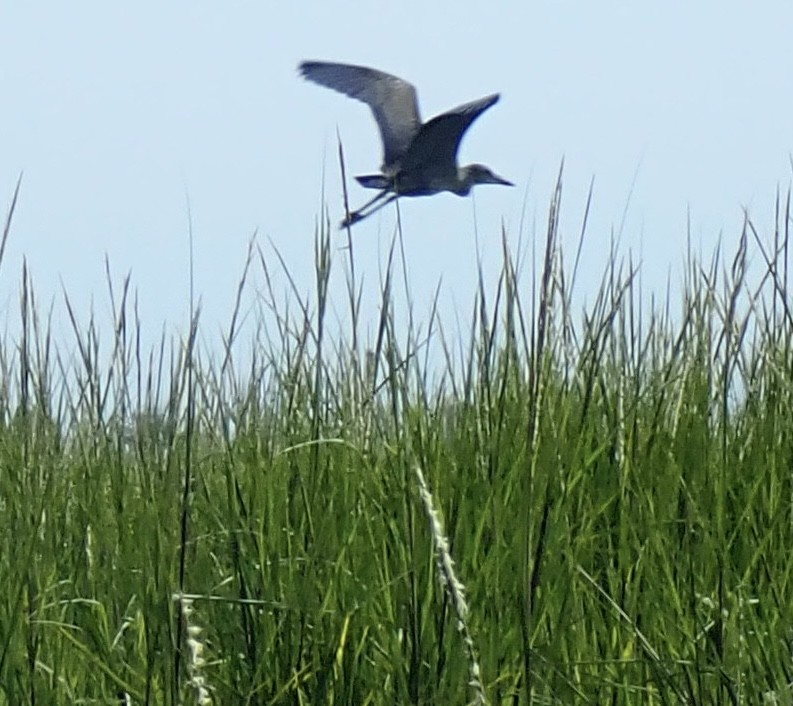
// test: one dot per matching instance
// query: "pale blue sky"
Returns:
(117, 113)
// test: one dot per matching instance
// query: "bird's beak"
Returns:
(499, 180)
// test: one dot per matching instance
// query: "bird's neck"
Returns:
(464, 181)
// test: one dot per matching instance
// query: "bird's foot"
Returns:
(351, 219)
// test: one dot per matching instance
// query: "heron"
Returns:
(419, 159)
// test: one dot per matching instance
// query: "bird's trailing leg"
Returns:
(359, 215)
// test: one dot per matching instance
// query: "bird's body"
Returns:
(419, 159)
(429, 180)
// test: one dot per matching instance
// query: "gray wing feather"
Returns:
(392, 100)
(438, 141)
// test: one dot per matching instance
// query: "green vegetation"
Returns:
(615, 493)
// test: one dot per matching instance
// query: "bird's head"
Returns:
(479, 174)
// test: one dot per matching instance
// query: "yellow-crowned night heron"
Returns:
(418, 159)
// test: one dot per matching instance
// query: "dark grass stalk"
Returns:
(182, 613)
(9, 218)
(354, 290)
(322, 259)
(534, 543)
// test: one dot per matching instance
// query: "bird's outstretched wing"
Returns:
(437, 141)
(392, 100)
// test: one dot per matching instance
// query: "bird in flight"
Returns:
(419, 159)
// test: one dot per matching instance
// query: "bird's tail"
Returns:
(374, 181)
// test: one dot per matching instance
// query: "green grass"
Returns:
(614, 489)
